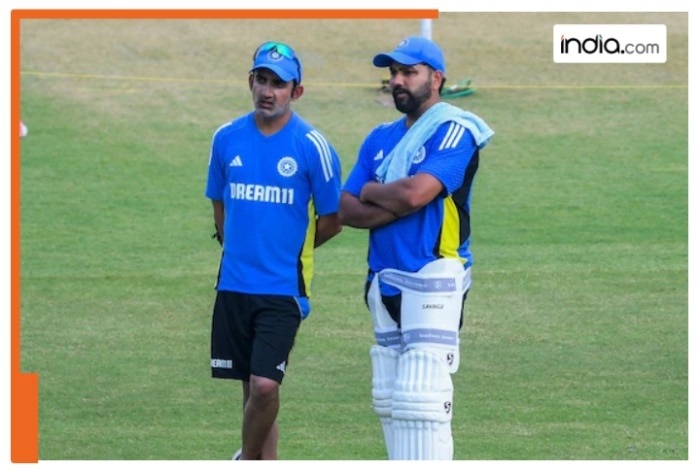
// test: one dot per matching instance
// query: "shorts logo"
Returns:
(282, 367)
(287, 167)
(222, 364)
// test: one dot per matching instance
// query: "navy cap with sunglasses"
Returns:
(280, 59)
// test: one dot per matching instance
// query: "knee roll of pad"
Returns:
(422, 408)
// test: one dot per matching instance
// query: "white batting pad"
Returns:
(386, 331)
(431, 306)
(384, 365)
(422, 408)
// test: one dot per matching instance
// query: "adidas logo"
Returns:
(379, 156)
(236, 162)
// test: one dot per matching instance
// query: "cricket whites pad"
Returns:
(421, 408)
(431, 307)
(386, 331)
(384, 365)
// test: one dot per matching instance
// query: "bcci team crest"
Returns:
(287, 167)
(274, 56)
(420, 156)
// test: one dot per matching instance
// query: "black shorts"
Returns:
(253, 335)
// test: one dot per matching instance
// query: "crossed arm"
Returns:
(381, 204)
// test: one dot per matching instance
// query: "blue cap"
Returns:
(280, 59)
(411, 51)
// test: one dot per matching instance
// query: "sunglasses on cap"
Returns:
(281, 49)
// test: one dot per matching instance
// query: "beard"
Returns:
(270, 111)
(411, 101)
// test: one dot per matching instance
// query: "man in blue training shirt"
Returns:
(274, 183)
(411, 187)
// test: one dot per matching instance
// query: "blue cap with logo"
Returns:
(411, 51)
(280, 59)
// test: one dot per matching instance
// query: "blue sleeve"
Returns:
(216, 179)
(449, 152)
(324, 167)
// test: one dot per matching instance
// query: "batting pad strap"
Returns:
(441, 276)
(430, 336)
(389, 339)
(408, 281)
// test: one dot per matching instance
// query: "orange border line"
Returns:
(24, 390)
(233, 14)
(24, 429)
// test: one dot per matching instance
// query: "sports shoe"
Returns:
(237, 455)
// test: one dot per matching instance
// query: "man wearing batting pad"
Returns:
(411, 186)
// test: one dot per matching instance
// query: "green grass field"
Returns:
(575, 345)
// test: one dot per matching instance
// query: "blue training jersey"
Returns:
(272, 187)
(441, 228)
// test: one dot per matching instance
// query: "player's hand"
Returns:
(218, 236)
